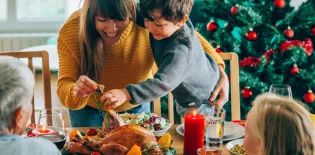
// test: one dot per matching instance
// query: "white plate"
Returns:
(240, 131)
(239, 134)
(229, 129)
(160, 133)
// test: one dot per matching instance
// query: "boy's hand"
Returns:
(221, 89)
(115, 98)
(84, 87)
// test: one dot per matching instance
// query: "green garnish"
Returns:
(107, 117)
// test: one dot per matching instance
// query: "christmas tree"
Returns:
(273, 41)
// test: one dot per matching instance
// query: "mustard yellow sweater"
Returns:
(127, 61)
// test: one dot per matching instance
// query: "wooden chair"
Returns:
(234, 83)
(45, 73)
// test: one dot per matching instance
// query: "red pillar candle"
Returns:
(194, 128)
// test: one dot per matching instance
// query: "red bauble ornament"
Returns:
(251, 35)
(313, 30)
(218, 49)
(289, 32)
(309, 97)
(246, 92)
(294, 69)
(212, 26)
(234, 10)
(279, 3)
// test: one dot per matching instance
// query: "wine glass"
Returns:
(281, 89)
(51, 126)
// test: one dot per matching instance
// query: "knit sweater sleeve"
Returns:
(210, 50)
(171, 72)
(68, 74)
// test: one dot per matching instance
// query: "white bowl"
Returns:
(231, 144)
(162, 132)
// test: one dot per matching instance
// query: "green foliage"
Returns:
(107, 117)
(269, 23)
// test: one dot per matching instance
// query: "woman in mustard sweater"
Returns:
(101, 44)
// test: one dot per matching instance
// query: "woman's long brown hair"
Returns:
(91, 45)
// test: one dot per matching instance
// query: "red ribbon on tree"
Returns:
(250, 61)
(269, 53)
(307, 45)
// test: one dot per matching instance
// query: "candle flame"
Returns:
(194, 113)
(43, 128)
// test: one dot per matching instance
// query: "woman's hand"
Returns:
(84, 87)
(221, 89)
(115, 98)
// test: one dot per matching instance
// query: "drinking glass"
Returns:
(214, 118)
(51, 126)
(281, 89)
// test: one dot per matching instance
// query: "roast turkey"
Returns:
(118, 139)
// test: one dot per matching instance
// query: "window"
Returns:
(35, 15)
(45, 10)
(3, 10)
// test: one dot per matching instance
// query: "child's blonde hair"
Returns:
(283, 125)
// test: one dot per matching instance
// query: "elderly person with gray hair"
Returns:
(16, 91)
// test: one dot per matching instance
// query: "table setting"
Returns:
(50, 126)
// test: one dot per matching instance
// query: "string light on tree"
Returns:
(234, 9)
(289, 33)
(246, 92)
(212, 26)
(251, 35)
(309, 97)
(294, 69)
(279, 3)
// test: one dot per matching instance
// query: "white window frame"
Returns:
(12, 25)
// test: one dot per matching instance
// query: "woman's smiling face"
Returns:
(110, 30)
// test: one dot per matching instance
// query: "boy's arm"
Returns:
(171, 72)
(210, 50)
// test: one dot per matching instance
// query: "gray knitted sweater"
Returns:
(184, 69)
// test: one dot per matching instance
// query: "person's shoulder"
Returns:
(140, 30)
(72, 23)
(181, 41)
(36, 141)
(40, 145)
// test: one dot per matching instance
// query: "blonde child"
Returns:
(278, 126)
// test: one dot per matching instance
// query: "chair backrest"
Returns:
(45, 73)
(234, 83)
(235, 91)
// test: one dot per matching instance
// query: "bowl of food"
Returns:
(151, 121)
(235, 147)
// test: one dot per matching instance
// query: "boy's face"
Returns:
(160, 27)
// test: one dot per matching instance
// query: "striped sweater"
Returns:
(128, 61)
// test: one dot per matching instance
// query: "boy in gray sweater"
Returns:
(183, 67)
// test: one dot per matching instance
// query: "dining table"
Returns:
(178, 140)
